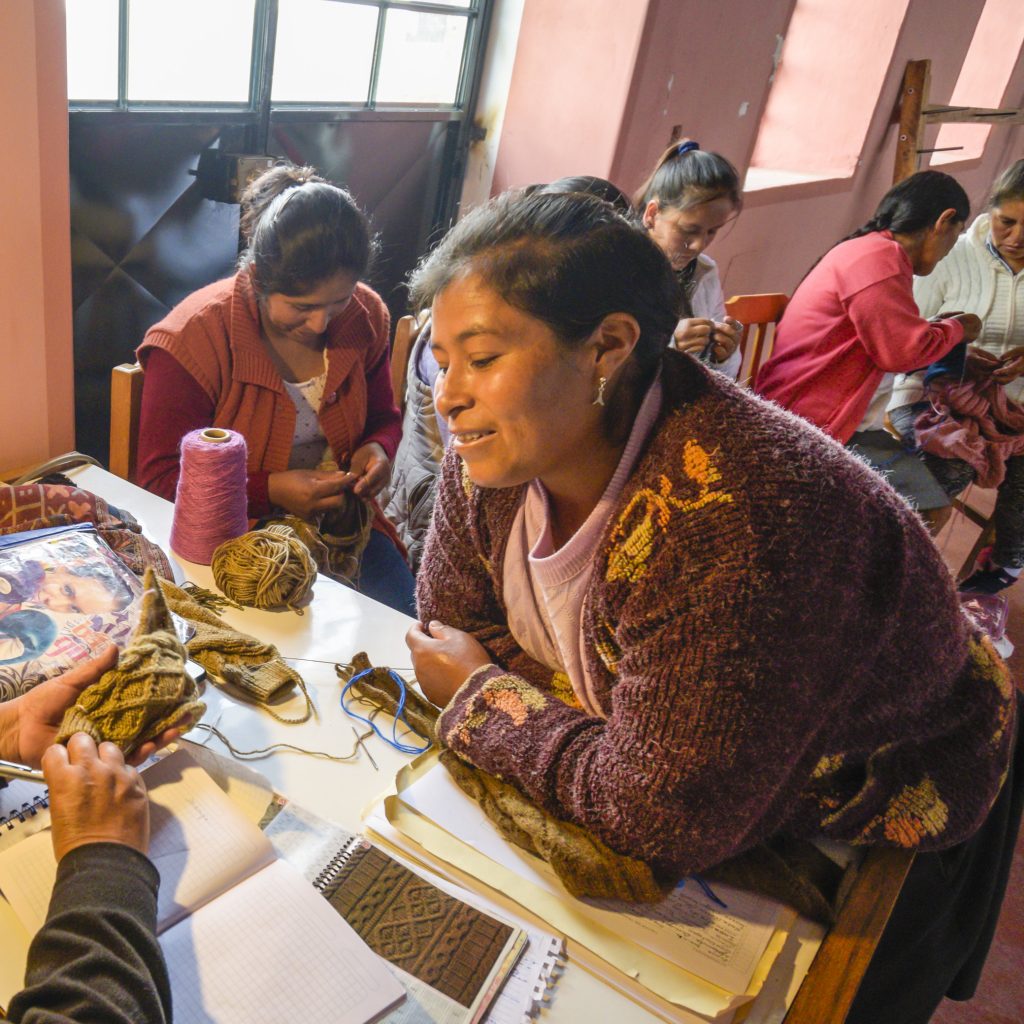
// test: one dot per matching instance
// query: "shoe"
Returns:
(987, 581)
(987, 578)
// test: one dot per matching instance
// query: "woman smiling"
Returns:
(669, 612)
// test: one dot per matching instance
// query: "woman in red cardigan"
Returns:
(292, 352)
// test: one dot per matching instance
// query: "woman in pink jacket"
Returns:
(853, 318)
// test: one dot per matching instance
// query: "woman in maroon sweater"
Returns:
(679, 617)
(292, 352)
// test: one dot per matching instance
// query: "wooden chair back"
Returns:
(407, 330)
(125, 407)
(759, 315)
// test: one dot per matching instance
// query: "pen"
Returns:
(11, 770)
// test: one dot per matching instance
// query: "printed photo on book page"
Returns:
(64, 595)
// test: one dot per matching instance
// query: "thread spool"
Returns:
(211, 502)
(267, 568)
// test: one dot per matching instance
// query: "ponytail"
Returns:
(686, 175)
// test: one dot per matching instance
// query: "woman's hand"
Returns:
(1011, 366)
(692, 335)
(304, 492)
(443, 658)
(980, 365)
(94, 796)
(371, 469)
(29, 723)
(971, 325)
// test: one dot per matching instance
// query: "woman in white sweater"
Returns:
(982, 275)
(689, 197)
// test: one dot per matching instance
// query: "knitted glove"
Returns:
(147, 692)
(255, 668)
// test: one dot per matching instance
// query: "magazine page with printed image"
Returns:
(63, 595)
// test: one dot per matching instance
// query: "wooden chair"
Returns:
(125, 406)
(759, 315)
(407, 330)
(837, 971)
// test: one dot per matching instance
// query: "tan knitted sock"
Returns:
(252, 666)
(147, 692)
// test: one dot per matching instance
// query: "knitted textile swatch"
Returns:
(255, 668)
(337, 540)
(784, 868)
(147, 692)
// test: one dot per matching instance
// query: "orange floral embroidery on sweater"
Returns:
(914, 814)
(630, 552)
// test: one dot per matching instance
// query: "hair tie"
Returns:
(687, 147)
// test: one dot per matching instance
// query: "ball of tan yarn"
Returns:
(267, 568)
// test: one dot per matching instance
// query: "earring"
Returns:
(601, 382)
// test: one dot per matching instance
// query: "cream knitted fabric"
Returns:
(147, 692)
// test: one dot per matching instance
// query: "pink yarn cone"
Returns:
(211, 503)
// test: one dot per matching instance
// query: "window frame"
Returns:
(259, 108)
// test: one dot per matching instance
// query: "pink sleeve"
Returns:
(897, 338)
(173, 404)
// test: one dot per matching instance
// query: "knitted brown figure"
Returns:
(791, 870)
(147, 692)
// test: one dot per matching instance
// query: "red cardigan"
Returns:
(205, 365)
(851, 321)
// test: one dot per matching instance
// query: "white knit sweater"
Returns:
(971, 280)
(708, 302)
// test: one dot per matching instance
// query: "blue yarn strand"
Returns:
(394, 741)
(706, 889)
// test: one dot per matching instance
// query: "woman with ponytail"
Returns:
(853, 319)
(688, 198)
(292, 352)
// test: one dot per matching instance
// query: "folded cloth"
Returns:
(147, 692)
(974, 421)
(785, 868)
(253, 667)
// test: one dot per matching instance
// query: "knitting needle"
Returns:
(360, 743)
(12, 770)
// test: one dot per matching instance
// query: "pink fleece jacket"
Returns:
(852, 320)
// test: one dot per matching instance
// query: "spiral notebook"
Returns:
(247, 941)
(443, 917)
(24, 809)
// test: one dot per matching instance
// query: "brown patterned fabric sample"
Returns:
(414, 925)
(148, 690)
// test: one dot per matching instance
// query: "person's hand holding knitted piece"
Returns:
(147, 693)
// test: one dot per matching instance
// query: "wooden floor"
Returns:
(1000, 997)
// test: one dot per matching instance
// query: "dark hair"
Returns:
(566, 259)
(1009, 186)
(301, 230)
(686, 175)
(34, 629)
(115, 587)
(588, 185)
(915, 204)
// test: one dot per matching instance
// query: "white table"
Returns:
(338, 623)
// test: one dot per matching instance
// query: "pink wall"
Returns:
(574, 63)
(706, 67)
(36, 382)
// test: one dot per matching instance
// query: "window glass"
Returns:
(92, 49)
(324, 52)
(445, 3)
(421, 58)
(189, 51)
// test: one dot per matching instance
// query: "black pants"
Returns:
(941, 927)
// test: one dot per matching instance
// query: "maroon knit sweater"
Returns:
(774, 639)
